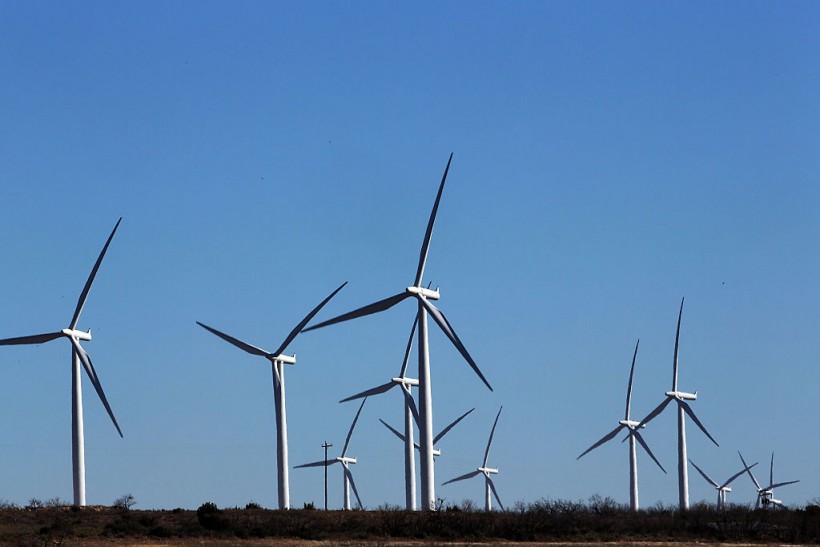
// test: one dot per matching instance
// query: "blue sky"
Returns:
(609, 159)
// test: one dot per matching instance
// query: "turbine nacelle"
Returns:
(78, 334)
(631, 424)
(286, 359)
(406, 381)
(682, 395)
(345, 460)
(426, 293)
(488, 470)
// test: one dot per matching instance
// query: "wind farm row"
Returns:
(417, 410)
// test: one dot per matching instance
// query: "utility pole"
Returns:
(326, 446)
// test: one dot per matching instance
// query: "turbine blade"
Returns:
(691, 413)
(449, 427)
(705, 476)
(469, 475)
(490, 440)
(375, 307)
(353, 425)
(631, 373)
(353, 485)
(236, 342)
(409, 401)
(677, 341)
(736, 475)
(92, 375)
(406, 361)
(298, 328)
(748, 469)
(495, 492)
(658, 409)
(320, 463)
(373, 391)
(84, 295)
(779, 484)
(448, 330)
(605, 438)
(425, 246)
(771, 470)
(648, 451)
(33, 339)
(396, 433)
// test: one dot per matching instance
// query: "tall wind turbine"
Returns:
(423, 297)
(765, 494)
(410, 416)
(278, 361)
(633, 434)
(722, 489)
(489, 485)
(78, 358)
(346, 462)
(680, 397)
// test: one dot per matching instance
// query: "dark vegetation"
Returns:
(597, 520)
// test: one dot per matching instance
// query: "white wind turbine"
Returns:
(680, 397)
(489, 485)
(722, 489)
(765, 494)
(633, 434)
(78, 358)
(410, 415)
(278, 361)
(436, 439)
(346, 462)
(425, 307)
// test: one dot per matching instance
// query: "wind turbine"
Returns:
(278, 361)
(423, 297)
(680, 397)
(346, 462)
(410, 415)
(633, 434)
(722, 488)
(78, 358)
(765, 494)
(436, 439)
(486, 471)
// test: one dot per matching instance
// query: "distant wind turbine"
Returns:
(436, 439)
(278, 361)
(633, 434)
(423, 297)
(346, 462)
(78, 358)
(680, 397)
(410, 416)
(722, 489)
(765, 494)
(489, 485)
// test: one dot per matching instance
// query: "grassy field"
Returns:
(553, 522)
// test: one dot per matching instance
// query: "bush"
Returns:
(210, 517)
(126, 502)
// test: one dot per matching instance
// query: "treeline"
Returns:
(596, 520)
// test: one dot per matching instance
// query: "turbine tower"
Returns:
(423, 297)
(278, 361)
(489, 485)
(722, 489)
(78, 358)
(765, 494)
(346, 462)
(410, 415)
(680, 397)
(633, 434)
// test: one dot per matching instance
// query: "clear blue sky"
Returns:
(609, 159)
